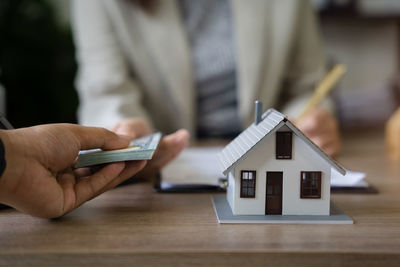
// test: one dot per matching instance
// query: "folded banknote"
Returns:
(139, 149)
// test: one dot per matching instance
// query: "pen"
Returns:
(5, 124)
(323, 88)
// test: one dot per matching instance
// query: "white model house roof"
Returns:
(271, 121)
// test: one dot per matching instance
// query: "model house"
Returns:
(273, 168)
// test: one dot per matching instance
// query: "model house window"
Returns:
(310, 185)
(283, 145)
(248, 184)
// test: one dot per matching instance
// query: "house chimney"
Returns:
(257, 112)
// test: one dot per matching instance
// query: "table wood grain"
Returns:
(132, 225)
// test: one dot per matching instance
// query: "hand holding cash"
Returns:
(160, 151)
(139, 149)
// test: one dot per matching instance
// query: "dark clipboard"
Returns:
(188, 188)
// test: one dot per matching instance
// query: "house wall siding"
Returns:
(262, 159)
(230, 192)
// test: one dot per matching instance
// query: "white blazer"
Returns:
(132, 63)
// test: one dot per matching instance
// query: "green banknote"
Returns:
(139, 149)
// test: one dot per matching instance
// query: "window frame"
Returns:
(319, 186)
(247, 187)
(279, 150)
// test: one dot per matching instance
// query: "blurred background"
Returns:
(38, 63)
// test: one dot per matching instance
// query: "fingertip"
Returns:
(118, 142)
(110, 140)
(125, 137)
(183, 131)
(182, 136)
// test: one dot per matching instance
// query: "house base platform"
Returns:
(225, 215)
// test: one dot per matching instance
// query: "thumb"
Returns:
(95, 137)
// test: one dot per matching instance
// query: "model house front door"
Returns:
(273, 198)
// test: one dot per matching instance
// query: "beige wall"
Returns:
(367, 47)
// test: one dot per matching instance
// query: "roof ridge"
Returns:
(271, 111)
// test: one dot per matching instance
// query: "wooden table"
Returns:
(133, 225)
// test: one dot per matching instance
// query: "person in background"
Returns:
(199, 65)
(36, 166)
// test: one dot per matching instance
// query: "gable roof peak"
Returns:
(270, 122)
